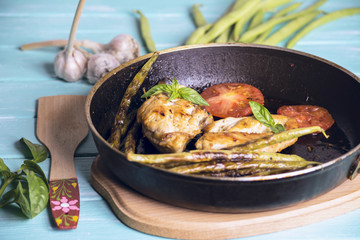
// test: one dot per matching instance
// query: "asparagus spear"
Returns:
(277, 138)
(130, 139)
(209, 155)
(119, 122)
(218, 166)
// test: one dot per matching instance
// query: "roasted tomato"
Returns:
(308, 115)
(231, 99)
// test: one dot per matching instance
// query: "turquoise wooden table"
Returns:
(27, 75)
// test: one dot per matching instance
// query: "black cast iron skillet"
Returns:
(284, 76)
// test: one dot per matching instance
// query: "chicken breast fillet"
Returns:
(229, 132)
(170, 125)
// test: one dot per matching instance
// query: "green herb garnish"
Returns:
(176, 92)
(263, 116)
(28, 186)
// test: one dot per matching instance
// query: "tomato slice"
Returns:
(231, 99)
(308, 115)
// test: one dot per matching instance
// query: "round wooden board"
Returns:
(150, 216)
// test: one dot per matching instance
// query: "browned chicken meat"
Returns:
(170, 125)
(229, 132)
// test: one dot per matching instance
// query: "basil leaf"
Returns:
(31, 165)
(38, 152)
(8, 198)
(192, 96)
(4, 170)
(264, 116)
(21, 200)
(176, 91)
(157, 89)
(173, 96)
(175, 84)
(38, 193)
(279, 127)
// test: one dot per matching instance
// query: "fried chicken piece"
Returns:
(170, 125)
(229, 132)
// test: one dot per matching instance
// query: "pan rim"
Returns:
(287, 175)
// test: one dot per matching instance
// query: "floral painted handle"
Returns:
(65, 202)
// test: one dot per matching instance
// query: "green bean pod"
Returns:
(216, 166)
(146, 32)
(224, 36)
(271, 4)
(277, 138)
(320, 21)
(198, 34)
(280, 13)
(198, 16)
(252, 34)
(238, 4)
(134, 86)
(240, 24)
(257, 18)
(290, 28)
(227, 20)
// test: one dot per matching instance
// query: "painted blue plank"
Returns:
(13, 129)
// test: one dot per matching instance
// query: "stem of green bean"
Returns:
(198, 16)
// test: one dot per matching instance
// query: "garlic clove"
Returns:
(99, 65)
(72, 67)
(124, 47)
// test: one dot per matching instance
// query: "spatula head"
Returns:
(61, 121)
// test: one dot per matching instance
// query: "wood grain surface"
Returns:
(153, 217)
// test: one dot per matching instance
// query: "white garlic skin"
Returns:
(99, 65)
(124, 47)
(70, 68)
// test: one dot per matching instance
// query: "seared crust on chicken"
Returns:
(229, 132)
(170, 125)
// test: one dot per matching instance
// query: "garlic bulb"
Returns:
(70, 67)
(99, 65)
(124, 47)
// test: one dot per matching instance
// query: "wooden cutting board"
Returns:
(150, 216)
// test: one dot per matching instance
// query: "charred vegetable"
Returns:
(119, 122)
(277, 138)
(220, 166)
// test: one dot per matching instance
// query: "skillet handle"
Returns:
(355, 168)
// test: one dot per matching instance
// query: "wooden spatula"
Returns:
(61, 126)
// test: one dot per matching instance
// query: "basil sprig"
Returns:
(27, 187)
(263, 116)
(175, 91)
